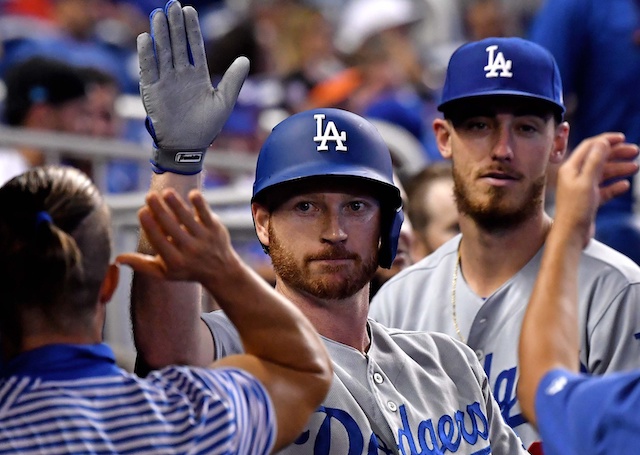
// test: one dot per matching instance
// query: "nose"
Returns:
(333, 229)
(503, 146)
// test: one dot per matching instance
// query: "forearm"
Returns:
(549, 337)
(166, 314)
(283, 350)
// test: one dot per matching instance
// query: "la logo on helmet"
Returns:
(497, 62)
(328, 133)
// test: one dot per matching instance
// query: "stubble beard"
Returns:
(299, 276)
(496, 214)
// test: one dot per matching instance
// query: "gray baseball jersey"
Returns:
(420, 298)
(411, 393)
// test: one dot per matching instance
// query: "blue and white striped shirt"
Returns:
(63, 399)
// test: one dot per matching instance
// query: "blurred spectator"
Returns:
(42, 94)
(403, 257)
(289, 45)
(250, 31)
(103, 91)
(487, 18)
(431, 208)
(440, 32)
(407, 153)
(385, 77)
(71, 33)
(306, 54)
(597, 47)
(520, 13)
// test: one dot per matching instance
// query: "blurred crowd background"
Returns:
(384, 59)
(69, 90)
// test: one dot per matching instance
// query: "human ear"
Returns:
(560, 143)
(442, 132)
(261, 219)
(110, 283)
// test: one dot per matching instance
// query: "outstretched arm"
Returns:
(282, 348)
(184, 115)
(549, 337)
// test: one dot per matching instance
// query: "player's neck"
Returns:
(344, 320)
(489, 259)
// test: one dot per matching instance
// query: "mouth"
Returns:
(499, 178)
(331, 265)
(333, 261)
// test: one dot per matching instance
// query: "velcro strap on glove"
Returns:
(185, 162)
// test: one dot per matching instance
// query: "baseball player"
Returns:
(576, 413)
(60, 389)
(502, 128)
(328, 213)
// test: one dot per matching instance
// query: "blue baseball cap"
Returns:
(502, 67)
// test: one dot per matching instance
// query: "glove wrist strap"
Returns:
(185, 162)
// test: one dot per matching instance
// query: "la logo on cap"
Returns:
(328, 133)
(496, 63)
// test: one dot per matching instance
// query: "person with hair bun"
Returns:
(60, 389)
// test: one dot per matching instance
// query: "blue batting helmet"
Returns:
(333, 143)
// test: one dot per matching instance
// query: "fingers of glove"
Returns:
(161, 40)
(177, 34)
(196, 42)
(232, 81)
(147, 59)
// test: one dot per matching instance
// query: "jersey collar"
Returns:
(63, 361)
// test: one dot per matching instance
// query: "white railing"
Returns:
(231, 202)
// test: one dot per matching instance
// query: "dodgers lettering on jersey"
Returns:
(411, 393)
(419, 298)
(447, 434)
(504, 391)
(451, 432)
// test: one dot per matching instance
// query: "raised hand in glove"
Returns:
(184, 111)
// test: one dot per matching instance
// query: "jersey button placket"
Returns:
(378, 378)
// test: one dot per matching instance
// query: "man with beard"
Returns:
(502, 127)
(327, 211)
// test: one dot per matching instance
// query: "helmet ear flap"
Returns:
(389, 238)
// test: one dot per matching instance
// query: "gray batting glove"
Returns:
(184, 111)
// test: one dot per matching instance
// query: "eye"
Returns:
(528, 128)
(475, 124)
(531, 124)
(356, 206)
(303, 206)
